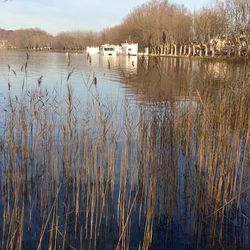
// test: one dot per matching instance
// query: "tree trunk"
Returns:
(162, 50)
(229, 50)
(201, 50)
(166, 49)
(213, 51)
(194, 50)
(239, 50)
(169, 49)
(185, 50)
(189, 50)
(175, 50)
(172, 50)
(181, 48)
(206, 50)
(153, 50)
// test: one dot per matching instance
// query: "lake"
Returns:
(123, 152)
(142, 80)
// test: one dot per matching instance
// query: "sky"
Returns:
(55, 16)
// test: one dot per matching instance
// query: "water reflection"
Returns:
(126, 63)
(141, 79)
(162, 177)
(161, 79)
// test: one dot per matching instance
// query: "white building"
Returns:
(92, 50)
(109, 50)
(129, 49)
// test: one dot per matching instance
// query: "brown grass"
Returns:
(71, 178)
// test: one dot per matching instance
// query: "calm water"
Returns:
(143, 80)
(151, 83)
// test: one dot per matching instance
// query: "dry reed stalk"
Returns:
(199, 152)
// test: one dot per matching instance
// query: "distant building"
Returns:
(124, 49)
(129, 48)
(109, 50)
(92, 50)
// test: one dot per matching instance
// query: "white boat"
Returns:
(109, 50)
(130, 49)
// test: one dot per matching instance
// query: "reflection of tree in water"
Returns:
(160, 79)
(125, 64)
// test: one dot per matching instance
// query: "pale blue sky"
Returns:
(62, 15)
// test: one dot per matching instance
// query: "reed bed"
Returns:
(175, 176)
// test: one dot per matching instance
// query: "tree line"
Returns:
(161, 26)
(167, 28)
(38, 39)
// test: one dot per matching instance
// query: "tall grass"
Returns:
(169, 177)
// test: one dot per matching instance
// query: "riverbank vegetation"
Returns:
(83, 177)
(165, 28)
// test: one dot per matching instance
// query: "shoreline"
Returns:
(232, 59)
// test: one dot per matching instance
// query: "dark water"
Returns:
(164, 163)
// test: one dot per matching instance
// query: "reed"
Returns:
(170, 176)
